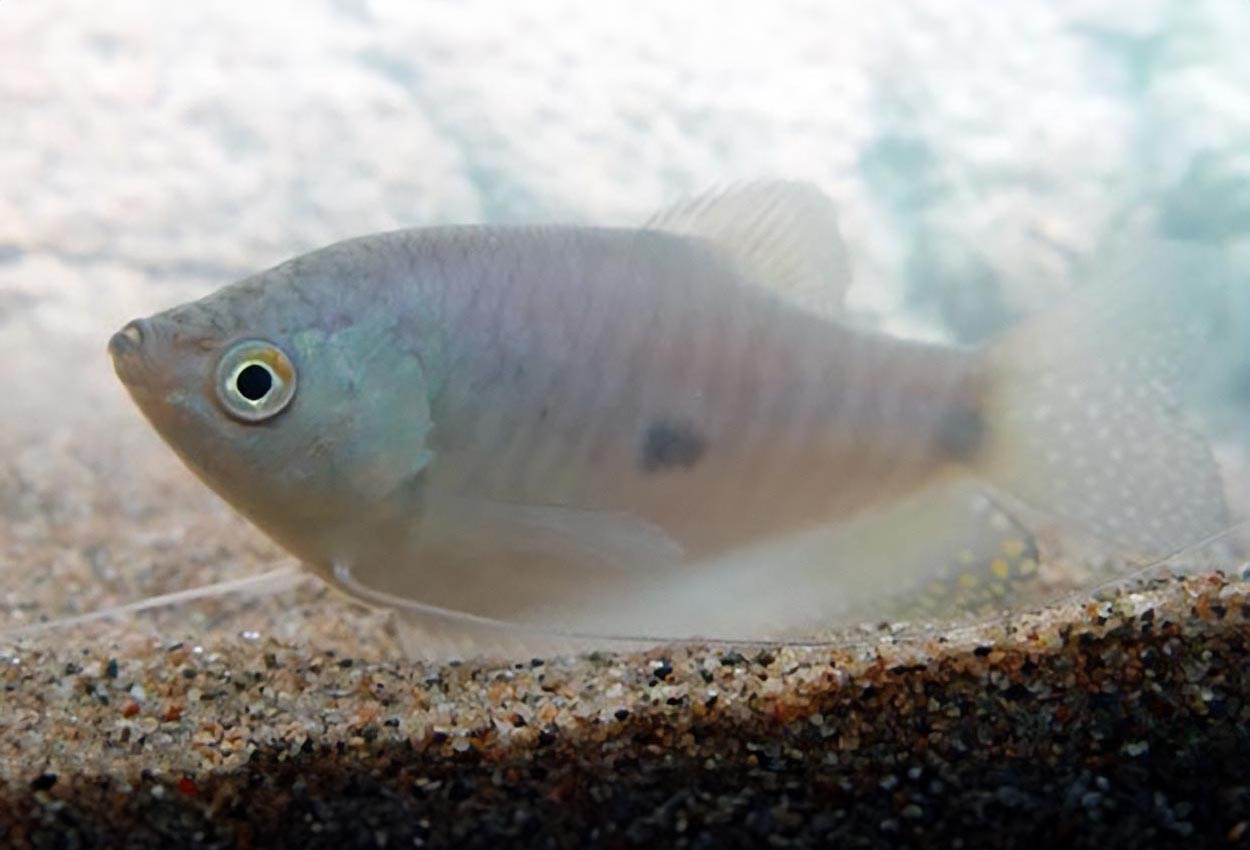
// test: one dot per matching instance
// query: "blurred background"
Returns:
(979, 153)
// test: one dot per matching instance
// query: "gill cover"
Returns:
(368, 405)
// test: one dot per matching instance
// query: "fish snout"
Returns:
(129, 339)
(128, 348)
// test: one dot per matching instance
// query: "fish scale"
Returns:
(671, 379)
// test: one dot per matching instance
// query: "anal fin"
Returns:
(948, 554)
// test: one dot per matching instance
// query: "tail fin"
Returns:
(1082, 412)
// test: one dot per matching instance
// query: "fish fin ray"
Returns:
(273, 581)
(807, 586)
(504, 560)
(782, 235)
(1082, 415)
(435, 633)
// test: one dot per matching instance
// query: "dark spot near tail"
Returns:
(667, 445)
(961, 432)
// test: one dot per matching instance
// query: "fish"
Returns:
(674, 431)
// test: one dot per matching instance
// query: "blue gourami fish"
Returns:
(671, 431)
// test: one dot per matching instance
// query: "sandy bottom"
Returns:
(1120, 722)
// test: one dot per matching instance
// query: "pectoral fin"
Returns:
(433, 633)
(506, 561)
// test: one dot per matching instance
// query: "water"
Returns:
(980, 155)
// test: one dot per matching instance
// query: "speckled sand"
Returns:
(1120, 724)
(150, 152)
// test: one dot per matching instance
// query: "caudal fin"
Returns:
(1082, 410)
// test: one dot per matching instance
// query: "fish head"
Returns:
(297, 397)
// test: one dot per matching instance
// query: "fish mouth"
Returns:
(127, 349)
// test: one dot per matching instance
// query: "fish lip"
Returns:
(127, 348)
(128, 339)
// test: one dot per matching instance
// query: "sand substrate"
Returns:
(1122, 723)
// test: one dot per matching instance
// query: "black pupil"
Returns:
(254, 382)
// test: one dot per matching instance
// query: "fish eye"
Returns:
(255, 380)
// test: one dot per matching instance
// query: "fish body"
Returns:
(668, 430)
(626, 371)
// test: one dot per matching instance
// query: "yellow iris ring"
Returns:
(237, 359)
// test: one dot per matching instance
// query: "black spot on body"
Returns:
(668, 445)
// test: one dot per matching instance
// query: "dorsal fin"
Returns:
(781, 234)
